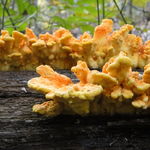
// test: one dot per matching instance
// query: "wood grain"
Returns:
(20, 129)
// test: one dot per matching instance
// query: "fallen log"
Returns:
(22, 129)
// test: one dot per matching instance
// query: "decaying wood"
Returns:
(23, 130)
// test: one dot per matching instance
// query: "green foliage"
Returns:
(17, 14)
(140, 3)
(71, 14)
(81, 15)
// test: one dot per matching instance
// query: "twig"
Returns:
(7, 11)
(103, 8)
(24, 20)
(13, 4)
(3, 15)
(120, 12)
(130, 9)
(98, 14)
(27, 17)
(140, 9)
(124, 4)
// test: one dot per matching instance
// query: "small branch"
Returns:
(98, 14)
(103, 8)
(13, 4)
(124, 4)
(27, 18)
(140, 9)
(23, 20)
(3, 15)
(120, 12)
(130, 9)
(7, 11)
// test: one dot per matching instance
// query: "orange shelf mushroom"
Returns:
(115, 90)
(72, 98)
(61, 50)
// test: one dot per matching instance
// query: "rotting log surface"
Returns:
(20, 129)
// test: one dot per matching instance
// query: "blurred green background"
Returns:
(75, 15)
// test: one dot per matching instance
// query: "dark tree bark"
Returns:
(23, 130)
